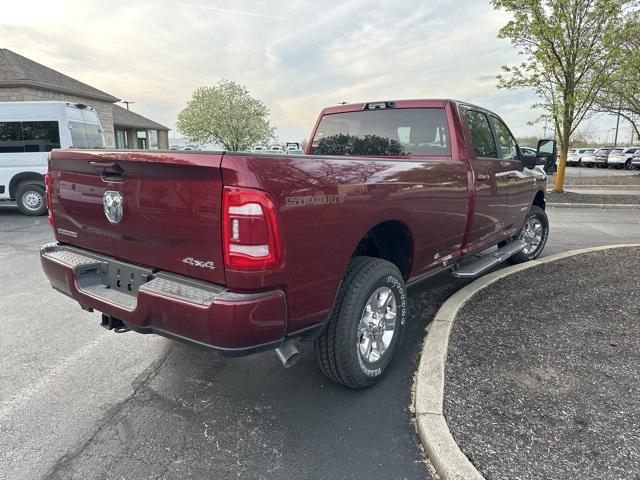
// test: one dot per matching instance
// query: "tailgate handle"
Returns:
(109, 171)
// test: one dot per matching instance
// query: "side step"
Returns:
(481, 265)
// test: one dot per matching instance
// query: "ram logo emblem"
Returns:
(113, 203)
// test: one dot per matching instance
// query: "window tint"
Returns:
(387, 132)
(85, 135)
(29, 136)
(508, 148)
(481, 134)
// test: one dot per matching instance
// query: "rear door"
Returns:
(170, 216)
(491, 180)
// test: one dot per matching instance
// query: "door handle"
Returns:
(483, 177)
(109, 171)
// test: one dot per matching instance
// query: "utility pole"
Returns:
(615, 140)
(545, 128)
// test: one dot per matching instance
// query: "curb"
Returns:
(443, 451)
(595, 205)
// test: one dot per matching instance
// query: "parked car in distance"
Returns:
(635, 161)
(292, 146)
(258, 148)
(574, 158)
(602, 157)
(589, 159)
(28, 132)
(276, 149)
(295, 152)
(243, 252)
(622, 157)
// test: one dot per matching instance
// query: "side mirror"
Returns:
(547, 151)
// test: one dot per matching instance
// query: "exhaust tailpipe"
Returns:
(288, 353)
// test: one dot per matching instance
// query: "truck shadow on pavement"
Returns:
(200, 415)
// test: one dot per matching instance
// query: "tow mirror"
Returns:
(547, 151)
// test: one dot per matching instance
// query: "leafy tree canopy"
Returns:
(227, 115)
(570, 49)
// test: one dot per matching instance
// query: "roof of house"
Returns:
(126, 118)
(19, 71)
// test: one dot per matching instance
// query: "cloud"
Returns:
(297, 56)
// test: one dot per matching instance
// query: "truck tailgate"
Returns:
(170, 207)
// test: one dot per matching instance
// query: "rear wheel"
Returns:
(31, 199)
(534, 233)
(366, 324)
(628, 165)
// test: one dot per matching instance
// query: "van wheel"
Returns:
(534, 233)
(366, 324)
(31, 199)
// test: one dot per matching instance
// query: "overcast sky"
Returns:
(297, 56)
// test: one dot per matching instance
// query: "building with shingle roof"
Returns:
(22, 79)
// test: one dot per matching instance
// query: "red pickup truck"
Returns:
(242, 252)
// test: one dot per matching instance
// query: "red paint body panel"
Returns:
(171, 208)
(452, 206)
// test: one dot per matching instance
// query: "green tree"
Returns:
(622, 94)
(570, 51)
(227, 115)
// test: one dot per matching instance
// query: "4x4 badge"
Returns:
(199, 263)
(113, 202)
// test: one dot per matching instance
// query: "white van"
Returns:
(28, 132)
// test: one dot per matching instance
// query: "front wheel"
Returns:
(31, 200)
(534, 233)
(366, 324)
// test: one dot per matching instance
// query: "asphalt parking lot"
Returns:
(77, 401)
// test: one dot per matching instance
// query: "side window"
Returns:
(11, 137)
(507, 143)
(481, 134)
(40, 136)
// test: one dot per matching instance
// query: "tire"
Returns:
(536, 214)
(628, 165)
(31, 199)
(339, 349)
(590, 165)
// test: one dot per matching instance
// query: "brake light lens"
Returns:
(47, 190)
(250, 229)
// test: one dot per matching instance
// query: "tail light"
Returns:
(251, 234)
(48, 186)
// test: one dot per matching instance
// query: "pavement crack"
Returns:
(139, 382)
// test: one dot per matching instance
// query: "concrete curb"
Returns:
(443, 451)
(594, 205)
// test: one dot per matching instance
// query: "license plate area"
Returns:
(124, 277)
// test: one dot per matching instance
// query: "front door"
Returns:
(520, 185)
(491, 180)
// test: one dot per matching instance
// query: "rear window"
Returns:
(85, 135)
(387, 132)
(20, 137)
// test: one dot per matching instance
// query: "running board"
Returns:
(481, 265)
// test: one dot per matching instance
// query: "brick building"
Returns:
(22, 79)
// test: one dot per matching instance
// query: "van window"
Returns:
(85, 135)
(386, 132)
(20, 137)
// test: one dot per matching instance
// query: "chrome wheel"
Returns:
(532, 235)
(377, 324)
(32, 200)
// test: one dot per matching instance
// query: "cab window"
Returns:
(484, 145)
(508, 145)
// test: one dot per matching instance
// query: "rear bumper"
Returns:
(167, 304)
